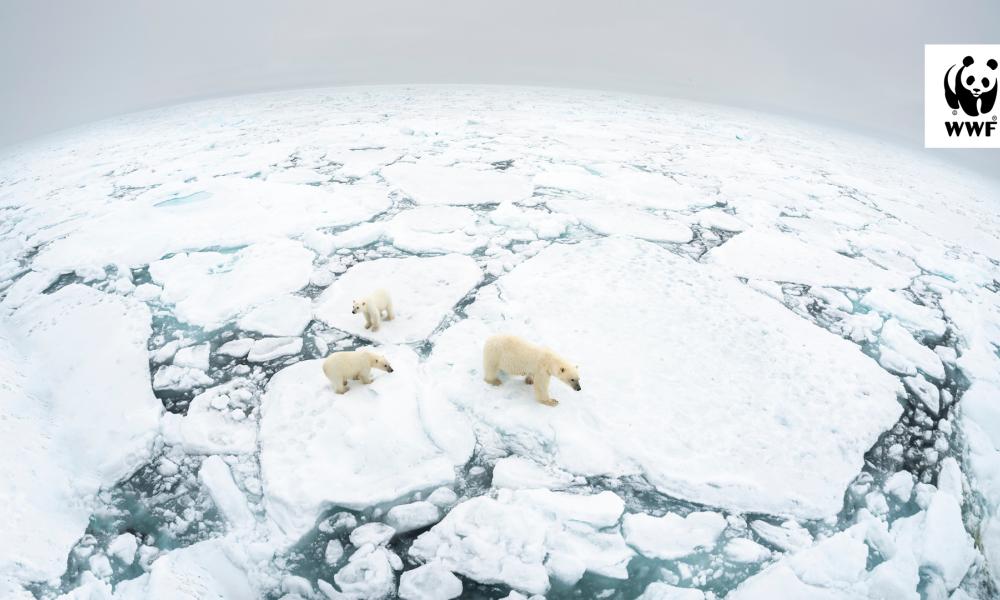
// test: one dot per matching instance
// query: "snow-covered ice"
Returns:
(776, 256)
(211, 288)
(720, 277)
(78, 415)
(672, 536)
(804, 405)
(423, 291)
(319, 449)
(520, 538)
(456, 184)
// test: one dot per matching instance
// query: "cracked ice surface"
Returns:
(720, 276)
(805, 406)
(319, 449)
(86, 423)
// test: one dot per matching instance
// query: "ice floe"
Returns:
(319, 449)
(424, 291)
(521, 538)
(228, 212)
(211, 288)
(78, 415)
(764, 254)
(803, 406)
(432, 184)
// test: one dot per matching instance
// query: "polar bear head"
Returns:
(377, 361)
(359, 306)
(567, 373)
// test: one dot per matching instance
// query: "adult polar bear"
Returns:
(515, 356)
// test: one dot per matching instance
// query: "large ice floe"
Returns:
(647, 407)
(787, 338)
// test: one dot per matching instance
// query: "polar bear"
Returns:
(515, 356)
(341, 366)
(372, 307)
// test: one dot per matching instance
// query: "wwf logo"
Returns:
(973, 88)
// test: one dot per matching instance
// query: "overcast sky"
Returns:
(854, 64)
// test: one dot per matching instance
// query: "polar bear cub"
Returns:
(339, 367)
(372, 307)
(515, 356)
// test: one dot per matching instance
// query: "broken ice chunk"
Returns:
(429, 582)
(742, 550)
(789, 536)
(267, 349)
(423, 289)
(516, 472)
(905, 355)
(376, 534)
(194, 357)
(284, 316)
(925, 391)
(663, 591)
(672, 536)
(236, 348)
(172, 377)
(409, 517)
(232, 504)
(917, 319)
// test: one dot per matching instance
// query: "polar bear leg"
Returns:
(365, 376)
(490, 368)
(368, 321)
(541, 382)
(373, 318)
(342, 388)
(389, 315)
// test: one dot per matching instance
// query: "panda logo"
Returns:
(973, 88)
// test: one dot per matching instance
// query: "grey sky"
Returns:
(854, 64)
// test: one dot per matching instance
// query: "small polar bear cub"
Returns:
(372, 307)
(339, 367)
(515, 356)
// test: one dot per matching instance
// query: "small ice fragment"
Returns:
(270, 348)
(123, 548)
(194, 357)
(443, 497)
(334, 552)
(413, 516)
(429, 582)
(743, 550)
(236, 348)
(377, 534)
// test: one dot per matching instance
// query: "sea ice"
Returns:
(267, 349)
(409, 517)
(436, 229)
(431, 184)
(916, 318)
(232, 504)
(429, 582)
(232, 212)
(283, 316)
(514, 538)
(424, 291)
(210, 288)
(613, 219)
(74, 418)
(802, 406)
(766, 254)
(319, 449)
(672, 536)
(899, 352)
